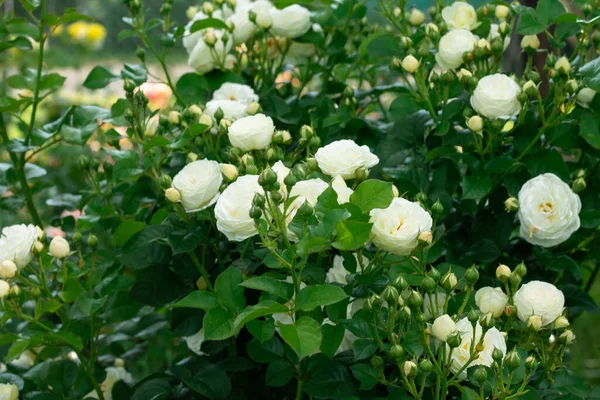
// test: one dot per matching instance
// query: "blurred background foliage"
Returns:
(64, 54)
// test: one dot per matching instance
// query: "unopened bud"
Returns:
(561, 323)
(475, 123)
(174, 117)
(511, 204)
(229, 171)
(410, 369)
(425, 237)
(410, 64)
(8, 269)
(173, 195)
(534, 323)
(59, 247)
(579, 185)
(563, 66)
(530, 42)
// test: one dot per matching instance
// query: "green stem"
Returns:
(202, 270)
(38, 77)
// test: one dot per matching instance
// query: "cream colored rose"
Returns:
(195, 341)
(491, 300)
(232, 110)
(396, 229)
(496, 97)
(493, 339)
(341, 189)
(9, 391)
(443, 327)
(235, 92)
(344, 158)
(252, 133)
(282, 172)
(204, 58)
(585, 96)
(495, 33)
(304, 191)
(4, 289)
(113, 375)
(8, 269)
(198, 184)
(291, 22)
(548, 210)
(233, 208)
(243, 29)
(16, 242)
(453, 45)
(460, 15)
(337, 273)
(539, 298)
(59, 247)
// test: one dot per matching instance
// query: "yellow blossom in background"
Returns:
(95, 35)
(88, 34)
(60, 29)
(77, 31)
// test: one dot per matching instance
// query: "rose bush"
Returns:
(349, 200)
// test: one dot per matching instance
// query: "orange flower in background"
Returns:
(158, 94)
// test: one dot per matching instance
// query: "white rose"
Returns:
(304, 191)
(236, 92)
(460, 15)
(539, 298)
(491, 300)
(337, 273)
(347, 342)
(344, 158)
(8, 269)
(496, 97)
(548, 210)
(493, 339)
(9, 391)
(232, 110)
(433, 304)
(282, 172)
(4, 289)
(495, 32)
(190, 40)
(204, 58)
(341, 189)
(26, 360)
(298, 53)
(585, 96)
(243, 29)
(291, 22)
(443, 327)
(396, 229)
(199, 183)
(16, 242)
(59, 247)
(233, 208)
(252, 133)
(194, 342)
(452, 47)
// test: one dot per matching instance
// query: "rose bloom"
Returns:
(194, 342)
(491, 300)
(337, 273)
(16, 242)
(442, 327)
(252, 133)
(282, 172)
(453, 45)
(304, 191)
(158, 94)
(291, 22)
(341, 189)
(243, 94)
(396, 229)
(460, 15)
(233, 208)
(243, 29)
(493, 339)
(232, 109)
(9, 391)
(344, 158)
(548, 210)
(204, 58)
(113, 375)
(199, 183)
(494, 33)
(191, 39)
(539, 298)
(496, 97)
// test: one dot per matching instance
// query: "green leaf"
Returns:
(352, 234)
(137, 73)
(469, 394)
(547, 11)
(228, 290)
(404, 104)
(71, 291)
(372, 194)
(333, 335)
(44, 307)
(261, 330)
(125, 231)
(265, 307)
(367, 375)
(304, 337)
(52, 81)
(99, 77)
(89, 306)
(200, 299)
(208, 23)
(218, 324)
(270, 285)
(280, 373)
(529, 24)
(364, 348)
(476, 186)
(314, 296)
